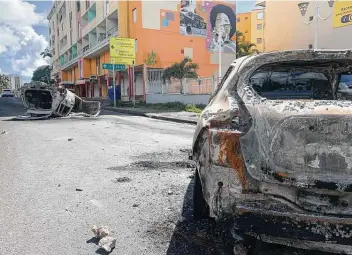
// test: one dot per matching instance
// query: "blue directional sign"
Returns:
(115, 67)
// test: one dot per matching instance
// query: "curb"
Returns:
(150, 115)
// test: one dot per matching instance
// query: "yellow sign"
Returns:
(342, 13)
(122, 50)
(125, 61)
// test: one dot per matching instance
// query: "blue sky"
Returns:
(24, 34)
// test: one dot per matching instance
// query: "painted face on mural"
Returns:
(223, 26)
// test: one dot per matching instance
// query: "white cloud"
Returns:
(18, 13)
(19, 41)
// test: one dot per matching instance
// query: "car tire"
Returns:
(200, 206)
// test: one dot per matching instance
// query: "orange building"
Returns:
(243, 24)
(166, 31)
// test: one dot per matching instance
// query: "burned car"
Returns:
(273, 150)
(43, 101)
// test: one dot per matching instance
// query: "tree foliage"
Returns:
(42, 74)
(151, 59)
(185, 69)
(244, 48)
(5, 82)
(46, 53)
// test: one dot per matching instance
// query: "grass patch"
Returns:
(164, 107)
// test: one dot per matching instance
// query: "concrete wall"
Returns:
(186, 99)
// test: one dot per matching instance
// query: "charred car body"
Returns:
(273, 150)
(43, 101)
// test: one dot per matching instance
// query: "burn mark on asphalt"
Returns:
(155, 165)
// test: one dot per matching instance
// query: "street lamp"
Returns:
(303, 6)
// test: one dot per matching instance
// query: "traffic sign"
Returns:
(125, 61)
(123, 50)
(115, 67)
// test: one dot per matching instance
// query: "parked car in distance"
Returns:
(7, 93)
(273, 150)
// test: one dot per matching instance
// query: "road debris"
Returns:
(3, 132)
(135, 205)
(79, 189)
(69, 139)
(170, 192)
(44, 101)
(123, 179)
(107, 243)
(100, 232)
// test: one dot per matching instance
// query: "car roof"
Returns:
(300, 54)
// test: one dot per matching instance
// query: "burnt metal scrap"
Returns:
(44, 101)
(280, 168)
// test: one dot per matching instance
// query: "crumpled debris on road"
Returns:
(106, 241)
(100, 232)
(3, 132)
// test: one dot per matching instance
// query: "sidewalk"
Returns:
(180, 117)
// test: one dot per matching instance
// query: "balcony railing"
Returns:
(112, 32)
(102, 37)
(102, 40)
(85, 48)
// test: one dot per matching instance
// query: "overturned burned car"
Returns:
(274, 150)
(43, 101)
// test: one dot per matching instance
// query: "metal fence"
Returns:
(156, 85)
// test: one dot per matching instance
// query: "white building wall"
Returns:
(186, 99)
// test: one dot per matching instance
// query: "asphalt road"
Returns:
(133, 174)
(59, 177)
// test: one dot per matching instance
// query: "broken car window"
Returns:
(287, 83)
(345, 87)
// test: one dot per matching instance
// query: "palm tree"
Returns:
(181, 71)
(244, 48)
(46, 53)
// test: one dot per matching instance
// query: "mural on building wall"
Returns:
(190, 22)
(221, 27)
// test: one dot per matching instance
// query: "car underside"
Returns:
(43, 101)
(273, 150)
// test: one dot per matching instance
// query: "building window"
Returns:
(78, 6)
(136, 45)
(259, 40)
(246, 18)
(134, 15)
(246, 31)
(259, 26)
(70, 16)
(260, 15)
(238, 19)
(87, 4)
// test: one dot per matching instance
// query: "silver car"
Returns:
(273, 150)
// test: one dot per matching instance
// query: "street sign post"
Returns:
(123, 51)
(116, 67)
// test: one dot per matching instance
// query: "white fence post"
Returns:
(213, 84)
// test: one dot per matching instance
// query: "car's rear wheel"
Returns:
(200, 206)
